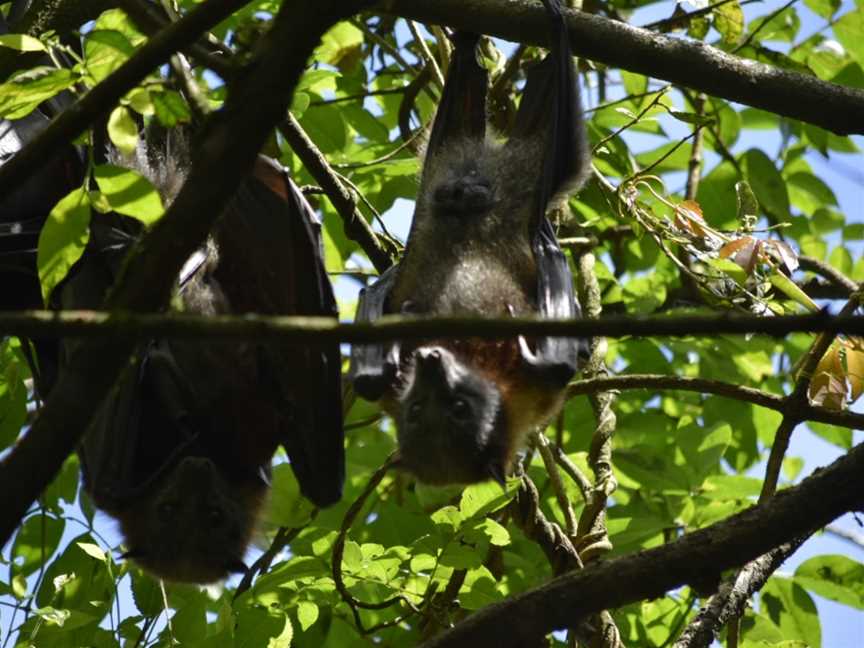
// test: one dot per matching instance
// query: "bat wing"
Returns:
(555, 359)
(271, 261)
(141, 431)
(374, 366)
(461, 112)
(551, 111)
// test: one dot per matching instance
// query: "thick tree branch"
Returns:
(732, 597)
(792, 513)
(312, 330)
(689, 63)
(727, 605)
(256, 102)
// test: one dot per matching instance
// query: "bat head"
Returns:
(450, 421)
(463, 188)
(194, 526)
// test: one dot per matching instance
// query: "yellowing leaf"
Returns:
(855, 371)
(123, 130)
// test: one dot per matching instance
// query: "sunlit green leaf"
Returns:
(62, 239)
(129, 193)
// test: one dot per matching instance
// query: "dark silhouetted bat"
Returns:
(480, 244)
(180, 452)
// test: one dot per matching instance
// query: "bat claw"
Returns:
(496, 472)
(525, 351)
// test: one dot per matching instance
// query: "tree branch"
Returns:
(792, 513)
(689, 63)
(356, 227)
(312, 330)
(706, 386)
(733, 595)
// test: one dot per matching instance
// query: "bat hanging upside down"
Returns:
(480, 244)
(180, 451)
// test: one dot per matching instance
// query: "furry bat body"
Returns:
(180, 452)
(480, 244)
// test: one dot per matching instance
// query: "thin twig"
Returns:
(758, 397)
(426, 54)
(339, 548)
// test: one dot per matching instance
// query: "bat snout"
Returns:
(469, 194)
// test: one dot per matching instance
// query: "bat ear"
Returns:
(236, 566)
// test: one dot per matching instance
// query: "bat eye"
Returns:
(414, 412)
(461, 410)
(215, 516)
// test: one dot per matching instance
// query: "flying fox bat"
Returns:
(180, 452)
(480, 244)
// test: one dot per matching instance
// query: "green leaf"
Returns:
(35, 543)
(307, 614)
(731, 487)
(284, 639)
(484, 498)
(25, 91)
(497, 534)
(92, 550)
(352, 557)
(13, 393)
(789, 288)
(841, 259)
(792, 609)
(105, 50)
(287, 507)
(823, 8)
(729, 21)
(190, 621)
(849, 30)
(170, 107)
(479, 589)
(767, 183)
(826, 220)
(22, 43)
(837, 578)
(702, 448)
(839, 436)
(129, 193)
(62, 239)
(123, 130)
(338, 43)
(146, 593)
